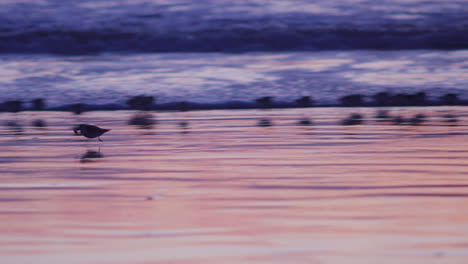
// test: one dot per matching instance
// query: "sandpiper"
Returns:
(90, 131)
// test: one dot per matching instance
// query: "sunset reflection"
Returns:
(223, 189)
(233, 132)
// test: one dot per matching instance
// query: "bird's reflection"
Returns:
(14, 127)
(353, 119)
(264, 103)
(450, 119)
(91, 156)
(304, 121)
(184, 126)
(264, 122)
(417, 119)
(142, 120)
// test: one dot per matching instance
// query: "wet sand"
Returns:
(224, 190)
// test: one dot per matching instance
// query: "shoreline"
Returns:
(171, 107)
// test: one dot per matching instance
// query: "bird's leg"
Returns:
(99, 139)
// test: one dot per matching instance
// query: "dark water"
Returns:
(76, 27)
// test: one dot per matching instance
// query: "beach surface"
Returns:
(214, 187)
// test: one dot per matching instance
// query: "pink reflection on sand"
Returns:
(231, 192)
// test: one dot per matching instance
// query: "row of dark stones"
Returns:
(145, 102)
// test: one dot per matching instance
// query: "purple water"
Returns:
(159, 26)
(213, 186)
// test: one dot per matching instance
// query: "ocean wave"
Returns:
(71, 27)
(236, 40)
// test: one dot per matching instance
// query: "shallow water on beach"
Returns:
(224, 190)
(227, 79)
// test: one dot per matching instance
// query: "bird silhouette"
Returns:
(90, 131)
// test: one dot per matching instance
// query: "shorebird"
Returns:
(90, 131)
